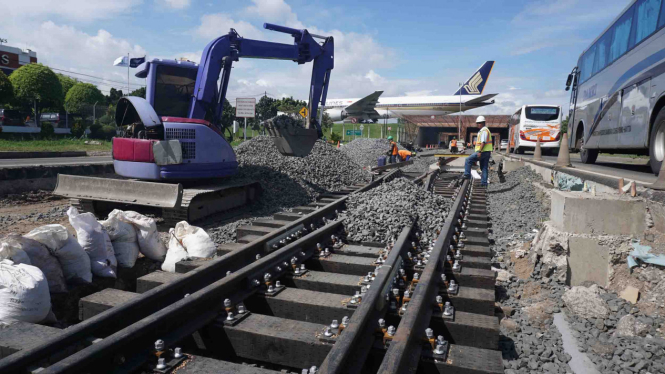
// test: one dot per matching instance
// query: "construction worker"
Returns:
(482, 153)
(404, 155)
(393, 152)
(453, 145)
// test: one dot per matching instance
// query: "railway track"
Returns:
(299, 298)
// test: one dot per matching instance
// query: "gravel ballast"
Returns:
(380, 214)
(365, 152)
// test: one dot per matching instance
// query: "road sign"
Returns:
(304, 112)
(246, 108)
(354, 120)
(361, 127)
(389, 128)
(353, 132)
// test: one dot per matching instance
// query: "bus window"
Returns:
(661, 21)
(621, 35)
(541, 113)
(646, 18)
(587, 63)
(602, 51)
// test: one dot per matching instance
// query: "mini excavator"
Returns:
(175, 135)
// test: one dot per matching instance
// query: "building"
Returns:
(12, 58)
(430, 130)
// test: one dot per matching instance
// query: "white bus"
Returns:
(618, 87)
(533, 122)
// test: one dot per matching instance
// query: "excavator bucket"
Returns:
(292, 140)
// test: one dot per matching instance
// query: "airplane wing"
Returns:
(364, 106)
(480, 99)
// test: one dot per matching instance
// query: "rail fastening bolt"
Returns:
(159, 345)
(439, 299)
(267, 277)
(443, 277)
(345, 321)
(456, 265)
(241, 309)
(429, 333)
(271, 288)
(312, 370)
(382, 323)
(230, 316)
(256, 283)
(302, 267)
(391, 330)
(227, 303)
(278, 284)
(416, 276)
(407, 294)
(439, 349)
(334, 324)
(258, 256)
(177, 353)
(161, 364)
(228, 273)
(327, 332)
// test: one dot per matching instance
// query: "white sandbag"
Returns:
(149, 242)
(24, 293)
(95, 242)
(196, 241)
(175, 253)
(74, 261)
(39, 256)
(14, 253)
(123, 237)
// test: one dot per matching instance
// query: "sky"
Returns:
(400, 47)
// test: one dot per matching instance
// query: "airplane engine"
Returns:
(336, 114)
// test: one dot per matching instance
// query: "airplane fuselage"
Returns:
(395, 107)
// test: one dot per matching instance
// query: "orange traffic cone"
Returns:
(338, 144)
(564, 153)
(538, 153)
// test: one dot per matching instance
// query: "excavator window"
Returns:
(174, 87)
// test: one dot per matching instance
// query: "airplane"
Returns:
(372, 107)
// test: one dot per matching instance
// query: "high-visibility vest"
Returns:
(453, 143)
(403, 153)
(394, 146)
(488, 143)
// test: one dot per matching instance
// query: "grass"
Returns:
(56, 145)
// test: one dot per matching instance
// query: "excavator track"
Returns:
(99, 195)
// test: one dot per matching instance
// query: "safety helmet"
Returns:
(480, 119)
(413, 153)
(390, 138)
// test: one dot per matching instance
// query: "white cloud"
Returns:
(175, 4)
(215, 25)
(79, 10)
(512, 88)
(274, 11)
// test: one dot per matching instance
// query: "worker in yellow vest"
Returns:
(482, 153)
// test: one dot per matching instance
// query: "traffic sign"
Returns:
(354, 120)
(246, 108)
(353, 132)
(389, 128)
(362, 127)
(304, 112)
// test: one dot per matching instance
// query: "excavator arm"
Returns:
(217, 60)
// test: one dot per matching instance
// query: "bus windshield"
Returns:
(174, 87)
(541, 113)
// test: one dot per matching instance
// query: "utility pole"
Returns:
(459, 125)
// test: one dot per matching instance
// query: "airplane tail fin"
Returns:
(476, 84)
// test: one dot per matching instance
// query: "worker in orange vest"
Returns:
(393, 152)
(404, 155)
(453, 145)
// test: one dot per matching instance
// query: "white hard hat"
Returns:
(480, 119)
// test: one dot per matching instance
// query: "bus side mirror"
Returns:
(569, 80)
(567, 88)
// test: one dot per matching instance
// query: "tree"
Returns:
(289, 105)
(66, 82)
(82, 95)
(326, 122)
(36, 87)
(564, 126)
(139, 92)
(228, 116)
(6, 89)
(114, 96)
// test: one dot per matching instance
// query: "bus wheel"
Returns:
(588, 156)
(657, 143)
(519, 151)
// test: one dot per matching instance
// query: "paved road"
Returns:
(622, 167)
(55, 161)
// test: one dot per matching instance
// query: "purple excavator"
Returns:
(174, 135)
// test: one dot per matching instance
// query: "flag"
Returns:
(122, 61)
(135, 62)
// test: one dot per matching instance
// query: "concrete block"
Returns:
(511, 165)
(155, 279)
(582, 213)
(545, 173)
(472, 277)
(469, 329)
(342, 264)
(466, 360)
(301, 305)
(588, 261)
(630, 294)
(341, 284)
(101, 301)
(472, 300)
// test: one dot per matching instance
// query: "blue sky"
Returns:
(402, 48)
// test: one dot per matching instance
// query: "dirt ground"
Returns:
(20, 214)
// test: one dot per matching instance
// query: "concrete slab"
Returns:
(206, 365)
(511, 165)
(582, 213)
(343, 264)
(301, 305)
(580, 363)
(103, 300)
(588, 261)
(155, 279)
(24, 335)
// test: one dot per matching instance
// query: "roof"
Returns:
(453, 120)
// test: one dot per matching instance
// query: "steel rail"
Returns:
(353, 345)
(405, 348)
(392, 166)
(204, 306)
(153, 300)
